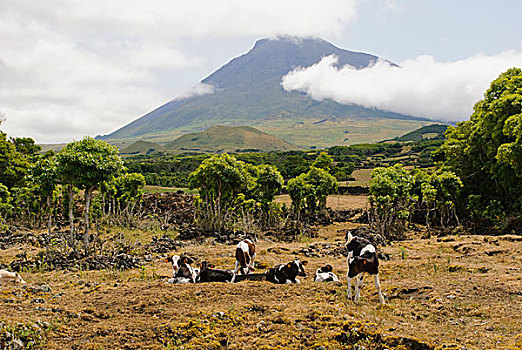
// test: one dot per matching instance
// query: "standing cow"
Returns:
(245, 256)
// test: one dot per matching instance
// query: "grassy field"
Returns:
(458, 292)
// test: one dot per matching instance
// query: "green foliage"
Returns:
(397, 193)
(323, 161)
(269, 183)
(231, 191)
(485, 152)
(309, 191)
(129, 188)
(88, 162)
(14, 165)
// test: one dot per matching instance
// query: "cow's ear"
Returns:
(289, 265)
(168, 259)
(183, 259)
(364, 261)
(211, 266)
(304, 263)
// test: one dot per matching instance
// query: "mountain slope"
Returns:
(230, 139)
(248, 92)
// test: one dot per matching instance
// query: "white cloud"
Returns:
(70, 67)
(420, 87)
(196, 90)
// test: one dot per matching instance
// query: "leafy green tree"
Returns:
(86, 164)
(485, 152)
(44, 174)
(5, 204)
(309, 191)
(390, 200)
(13, 164)
(219, 179)
(323, 161)
(129, 189)
(269, 183)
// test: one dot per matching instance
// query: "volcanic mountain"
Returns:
(247, 91)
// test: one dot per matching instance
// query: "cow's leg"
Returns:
(236, 269)
(349, 294)
(358, 283)
(251, 264)
(378, 287)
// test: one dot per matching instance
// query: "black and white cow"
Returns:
(208, 273)
(361, 258)
(287, 273)
(325, 274)
(183, 272)
(245, 256)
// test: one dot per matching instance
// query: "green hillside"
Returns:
(142, 147)
(428, 132)
(229, 139)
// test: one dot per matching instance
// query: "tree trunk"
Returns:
(88, 195)
(49, 224)
(72, 236)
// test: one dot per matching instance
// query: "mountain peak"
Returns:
(247, 91)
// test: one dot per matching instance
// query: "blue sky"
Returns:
(71, 68)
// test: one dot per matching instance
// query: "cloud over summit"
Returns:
(420, 87)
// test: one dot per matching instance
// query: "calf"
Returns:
(245, 256)
(361, 258)
(325, 274)
(208, 273)
(183, 272)
(10, 277)
(287, 273)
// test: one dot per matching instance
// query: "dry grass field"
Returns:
(455, 292)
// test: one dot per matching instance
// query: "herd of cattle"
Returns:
(361, 257)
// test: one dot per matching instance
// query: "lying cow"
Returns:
(325, 274)
(361, 258)
(287, 273)
(183, 272)
(208, 273)
(10, 277)
(245, 256)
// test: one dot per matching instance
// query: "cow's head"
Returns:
(206, 265)
(178, 261)
(296, 267)
(325, 268)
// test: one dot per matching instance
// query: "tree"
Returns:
(86, 164)
(129, 189)
(5, 204)
(269, 182)
(13, 164)
(44, 174)
(219, 179)
(323, 161)
(309, 191)
(486, 151)
(390, 200)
